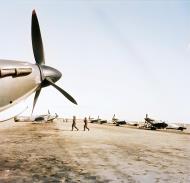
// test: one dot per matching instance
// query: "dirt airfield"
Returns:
(51, 152)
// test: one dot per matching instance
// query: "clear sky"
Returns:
(124, 57)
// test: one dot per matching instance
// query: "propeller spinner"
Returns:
(49, 75)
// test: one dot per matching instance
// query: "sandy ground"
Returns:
(50, 152)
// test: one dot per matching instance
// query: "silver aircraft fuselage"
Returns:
(18, 80)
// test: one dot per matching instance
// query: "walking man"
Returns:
(85, 124)
(74, 123)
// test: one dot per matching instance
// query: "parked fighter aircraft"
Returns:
(18, 80)
(117, 121)
(176, 126)
(153, 124)
(92, 120)
(132, 123)
(39, 118)
(103, 121)
(98, 120)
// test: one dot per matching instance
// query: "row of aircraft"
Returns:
(37, 118)
(149, 123)
(18, 80)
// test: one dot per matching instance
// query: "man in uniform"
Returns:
(85, 124)
(74, 123)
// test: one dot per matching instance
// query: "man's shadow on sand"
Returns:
(57, 129)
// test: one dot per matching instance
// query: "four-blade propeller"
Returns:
(49, 75)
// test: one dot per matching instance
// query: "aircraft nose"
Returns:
(50, 72)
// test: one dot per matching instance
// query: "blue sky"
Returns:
(124, 57)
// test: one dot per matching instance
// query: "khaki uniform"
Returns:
(85, 124)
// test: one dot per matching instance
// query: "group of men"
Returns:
(85, 124)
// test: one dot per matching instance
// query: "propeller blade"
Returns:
(37, 40)
(61, 90)
(36, 98)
